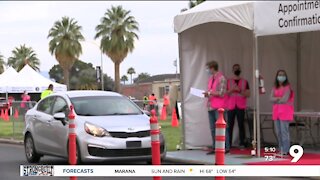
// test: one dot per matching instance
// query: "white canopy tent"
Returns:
(31, 81)
(262, 37)
(6, 76)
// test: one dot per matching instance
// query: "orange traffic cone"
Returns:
(174, 119)
(6, 116)
(16, 114)
(164, 113)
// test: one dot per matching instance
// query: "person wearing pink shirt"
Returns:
(24, 105)
(282, 111)
(216, 96)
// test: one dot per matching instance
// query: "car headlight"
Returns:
(95, 130)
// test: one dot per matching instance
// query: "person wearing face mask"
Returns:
(216, 95)
(282, 111)
(238, 92)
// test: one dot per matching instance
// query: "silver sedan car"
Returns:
(109, 126)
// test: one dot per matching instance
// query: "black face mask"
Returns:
(237, 72)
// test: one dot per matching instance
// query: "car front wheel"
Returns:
(30, 150)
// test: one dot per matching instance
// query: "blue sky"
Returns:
(29, 23)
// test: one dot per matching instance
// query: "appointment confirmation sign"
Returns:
(281, 17)
(169, 170)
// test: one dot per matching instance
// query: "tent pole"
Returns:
(257, 103)
(254, 141)
(298, 71)
(183, 147)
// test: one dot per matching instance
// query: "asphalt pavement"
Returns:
(12, 156)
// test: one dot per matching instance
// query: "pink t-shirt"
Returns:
(25, 98)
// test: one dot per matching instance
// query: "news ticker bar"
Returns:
(170, 170)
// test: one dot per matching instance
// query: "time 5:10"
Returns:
(270, 149)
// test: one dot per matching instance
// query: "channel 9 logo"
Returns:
(37, 170)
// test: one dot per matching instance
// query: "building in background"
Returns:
(157, 84)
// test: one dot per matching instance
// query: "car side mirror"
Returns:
(61, 117)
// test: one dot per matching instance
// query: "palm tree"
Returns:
(193, 3)
(117, 30)
(2, 64)
(124, 78)
(65, 44)
(131, 71)
(23, 55)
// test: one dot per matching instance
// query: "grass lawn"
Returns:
(172, 134)
(12, 128)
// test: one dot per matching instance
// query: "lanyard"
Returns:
(212, 83)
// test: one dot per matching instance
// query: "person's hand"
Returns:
(242, 93)
(206, 94)
(236, 89)
(277, 99)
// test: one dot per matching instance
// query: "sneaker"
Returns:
(210, 152)
(227, 152)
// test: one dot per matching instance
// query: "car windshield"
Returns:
(104, 106)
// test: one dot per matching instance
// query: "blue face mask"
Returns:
(281, 78)
(208, 72)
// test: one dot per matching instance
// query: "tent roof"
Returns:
(234, 12)
(262, 17)
(8, 74)
(30, 80)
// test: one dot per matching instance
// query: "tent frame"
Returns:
(255, 70)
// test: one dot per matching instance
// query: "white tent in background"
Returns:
(7, 76)
(260, 36)
(31, 81)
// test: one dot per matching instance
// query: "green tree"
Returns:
(124, 78)
(82, 75)
(2, 64)
(56, 73)
(131, 71)
(65, 44)
(109, 83)
(141, 77)
(192, 3)
(84, 79)
(117, 30)
(23, 55)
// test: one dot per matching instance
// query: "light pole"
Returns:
(102, 80)
(175, 63)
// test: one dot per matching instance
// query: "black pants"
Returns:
(240, 117)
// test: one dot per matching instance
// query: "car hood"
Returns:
(124, 123)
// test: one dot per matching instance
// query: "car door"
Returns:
(59, 131)
(42, 119)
